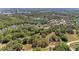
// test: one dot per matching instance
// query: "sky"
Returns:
(39, 3)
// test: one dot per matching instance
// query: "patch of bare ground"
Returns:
(27, 47)
(2, 45)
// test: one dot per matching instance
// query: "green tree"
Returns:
(38, 41)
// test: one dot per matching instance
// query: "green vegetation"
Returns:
(77, 48)
(64, 38)
(62, 47)
(37, 49)
(36, 30)
(13, 46)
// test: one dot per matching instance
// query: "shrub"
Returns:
(17, 35)
(62, 30)
(63, 38)
(70, 31)
(39, 42)
(58, 33)
(54, 38)
(37, 49)
(61, 47)
(77, 48)
(27, 40)
(13, 46)
(6, 38)
(43, 35)
(77, 32)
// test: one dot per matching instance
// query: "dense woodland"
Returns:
(39, 31)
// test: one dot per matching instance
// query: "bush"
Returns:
(58, 33)
(27, 40)
(49, 30)
(6, 39)
(61, 47)
(54, 38)
(44, 43)
(63, 30)
(39, 42)
(37, 49)
(77, 32)
(43, 35)
(63, 38)
(13, 46)
(43, 32)
(70, 31)
(77, 48)
(17, 35)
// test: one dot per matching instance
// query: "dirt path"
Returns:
(68, 43)
(72, 42)
(72, 49)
